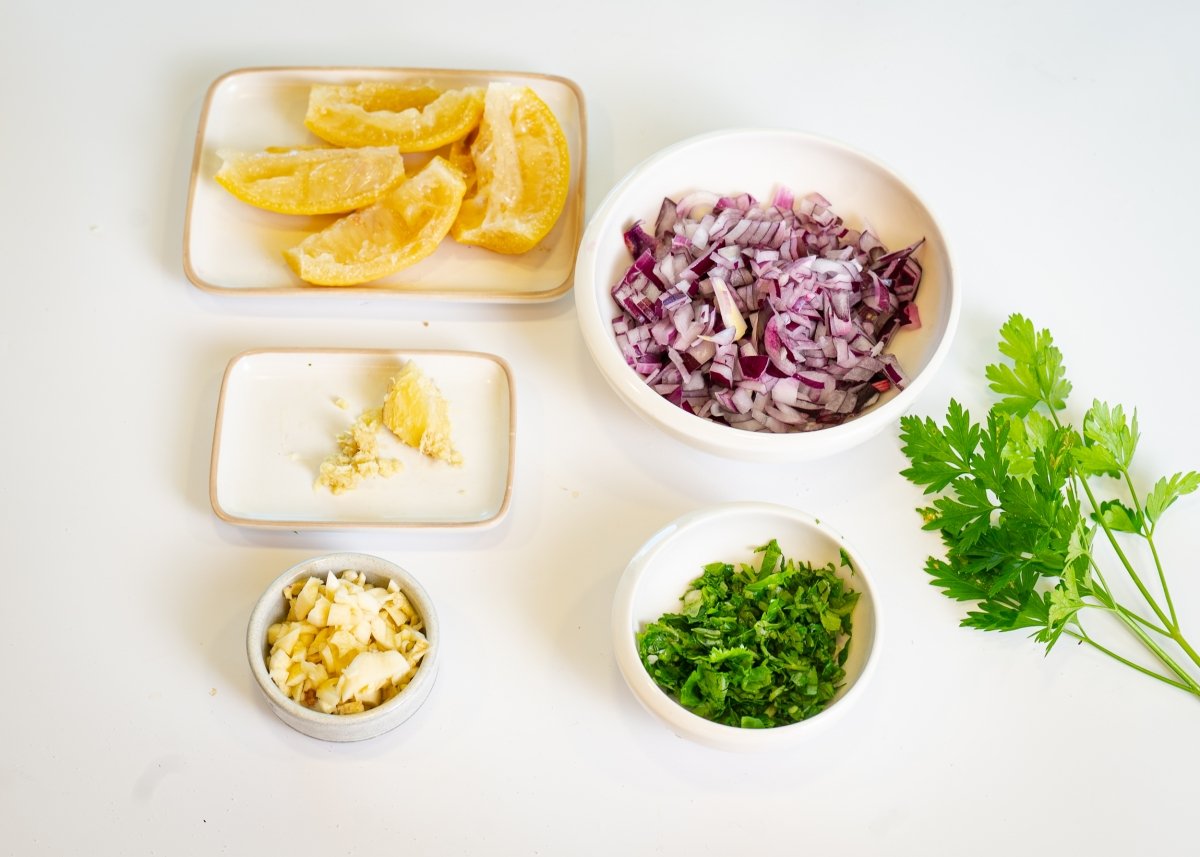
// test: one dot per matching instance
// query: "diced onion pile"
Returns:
(346, 645)
(766, 318)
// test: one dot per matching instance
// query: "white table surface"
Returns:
(1057, 145)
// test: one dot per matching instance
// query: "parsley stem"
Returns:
(1102, 591)
(1116, 546)
(1163, 580)
(1183, 644)
(1159, 653)
(1103, 594)
(1112, 540)
(1111, 606)
(1172, 626)
(1084, 638)
(1146, 622)
(1129, 618)
(1148, 532)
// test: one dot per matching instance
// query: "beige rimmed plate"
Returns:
(279, 415)
(232, 248)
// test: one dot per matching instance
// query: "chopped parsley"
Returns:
(751, 647)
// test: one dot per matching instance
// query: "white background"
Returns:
(1055, 142)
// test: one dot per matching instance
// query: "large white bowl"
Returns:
(672, 558)
(758, 161)
(272, 608)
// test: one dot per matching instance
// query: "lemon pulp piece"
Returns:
(460, 158)
(416, 117)
(417, 414)
(522, 173)
(308, 180)
(397, 231)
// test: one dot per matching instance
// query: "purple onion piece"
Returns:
(820, 301)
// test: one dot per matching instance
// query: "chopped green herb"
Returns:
(1018, 510)
(754, 648)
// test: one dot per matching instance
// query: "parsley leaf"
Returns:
(1167, 491)
(1107, 428)
(939, 456)
(1036, 373)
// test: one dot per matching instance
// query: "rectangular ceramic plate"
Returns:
(279, 415)
(232, 247)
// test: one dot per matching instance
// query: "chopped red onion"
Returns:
(764, 317)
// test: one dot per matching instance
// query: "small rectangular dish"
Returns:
(233, 248)
(279, 415)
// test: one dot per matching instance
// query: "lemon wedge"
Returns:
(416, 117)
(522, 171)
(397, 231)
(311, 180)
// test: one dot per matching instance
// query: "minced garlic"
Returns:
(358, 455)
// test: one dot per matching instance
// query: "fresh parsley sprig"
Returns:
(1019, 513)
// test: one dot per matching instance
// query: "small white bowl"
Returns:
(272, 608)
(660, 572)
(759, 161)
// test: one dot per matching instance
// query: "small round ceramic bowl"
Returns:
(660, 572)
(272, 608)
(759, 162)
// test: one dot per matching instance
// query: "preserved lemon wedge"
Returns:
(310, 180)
(522, 170)
(415, 117)
(416, 413)
(397, 231)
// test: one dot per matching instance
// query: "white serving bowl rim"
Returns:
(592, 299)
(271, 607)
(625, 622)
